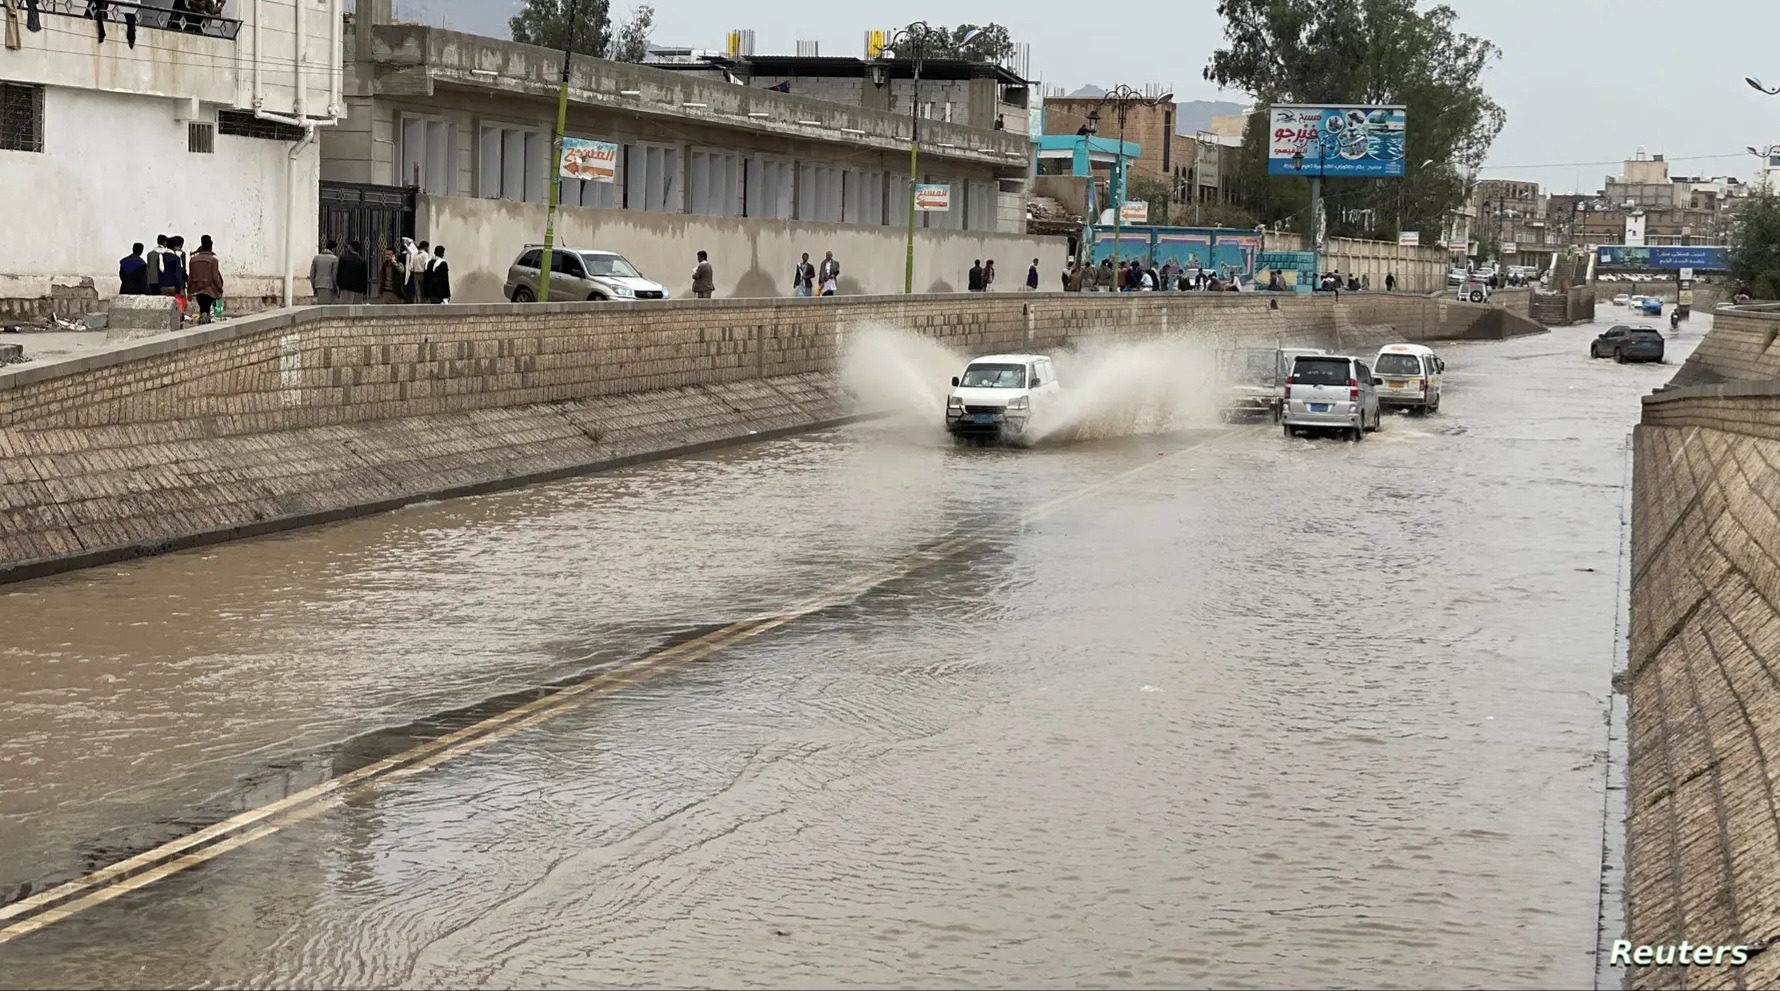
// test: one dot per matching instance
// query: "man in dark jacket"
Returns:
(976, 276)
(438, 277)
(172, 281)
(353, 276)
(132, 273)
(1032, 277)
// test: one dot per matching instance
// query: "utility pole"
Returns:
(915, 36)
(548, 260)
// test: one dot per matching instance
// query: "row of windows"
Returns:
(21, 124)
(513, 163)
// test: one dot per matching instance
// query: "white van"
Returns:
(1411, 375)
(1000, 395)
(1331, 392)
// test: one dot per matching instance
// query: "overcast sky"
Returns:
(1585, 82)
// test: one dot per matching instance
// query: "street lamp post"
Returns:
(915, 37)
(1767, 158)
(1756, 83)
(548, 260)
(1122, 98)
(1316, 211)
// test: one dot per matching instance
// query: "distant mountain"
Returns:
(1087, 93)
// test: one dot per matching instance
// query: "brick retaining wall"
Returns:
(313, 414)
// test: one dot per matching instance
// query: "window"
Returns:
(200, 137)
(714, 183)
(567, 263)
(1399, 364)
(979, 206)
(21, 117)
(994, 377)
(653, 180)
(531, 258)
(896, 201)
(243, 124)
(863, 197)
(819, 193)
(951, 219)
(1167, 140)
(1321, 371)
(770, 184)
(429, 155)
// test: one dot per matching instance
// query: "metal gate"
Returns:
(376, 216)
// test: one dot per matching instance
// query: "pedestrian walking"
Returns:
(1032, 277)
(173, 268)
(153, 258)
(704, 281)
(1390, 282)
(323, 270)
(206, 280)
(420, 259)
(132, 273)
(438, 277)
(803, 277)
(392, 276)
(975, 282)
(988, 274)
(829, 270)
(352, 277)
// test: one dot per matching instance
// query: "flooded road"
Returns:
(1215, 707)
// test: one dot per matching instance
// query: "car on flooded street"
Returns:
(1411, 375)
(999, 396)
(1331, 392)
(1251, 381)
(1623, 299)
(1624, 344)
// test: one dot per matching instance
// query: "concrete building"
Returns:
(113, 131)
(751, 173)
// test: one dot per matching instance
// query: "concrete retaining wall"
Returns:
(1703, 811)
(314, 414)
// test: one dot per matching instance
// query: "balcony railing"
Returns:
(186, 16)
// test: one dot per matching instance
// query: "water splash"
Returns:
(1110, 389)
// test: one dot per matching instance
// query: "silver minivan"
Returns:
(1331, 392)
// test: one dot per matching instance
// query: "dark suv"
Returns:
(1624, 344)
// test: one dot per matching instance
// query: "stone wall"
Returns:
(1703, 679)
(314, 414)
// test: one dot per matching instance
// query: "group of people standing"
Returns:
(418, 273)
(806, 277)
(1140, 276)
(166, 270)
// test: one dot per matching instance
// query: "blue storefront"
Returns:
(1229, 253)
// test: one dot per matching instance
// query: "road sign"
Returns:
(1409, 239)
(1687, 273)
(1135, 212)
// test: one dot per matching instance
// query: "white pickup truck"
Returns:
(1251, 381)
(999, 396)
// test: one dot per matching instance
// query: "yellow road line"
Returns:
(213, 841)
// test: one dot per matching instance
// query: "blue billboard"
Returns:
(1363, 142)
(1699, 257)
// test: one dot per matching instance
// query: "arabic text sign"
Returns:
(933, 196)
(593, 161)
(1349, 141)
(1706, 258)
(1409, 239)
(1135, 212)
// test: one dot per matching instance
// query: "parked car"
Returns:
(580, 274)
(1456, 277)
(1475, 290)
(1000, 395)
(1624, 344)
(1331, 392)
(1411, 376)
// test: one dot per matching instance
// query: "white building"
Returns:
(202, 127)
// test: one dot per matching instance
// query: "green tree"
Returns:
(546, 23)
(1151, 191)
(631, 43)
(994, 44)
(1755, 243)
(1362, 52)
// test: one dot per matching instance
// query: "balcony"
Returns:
(170, 15)
(411, 60)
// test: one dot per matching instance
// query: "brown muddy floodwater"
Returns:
(1265, 713)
